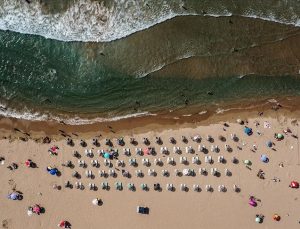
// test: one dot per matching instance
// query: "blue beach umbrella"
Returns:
(264, 158)
(106, 155)
(269, 144)
(13, 196)
(53, 171)
(248, 131)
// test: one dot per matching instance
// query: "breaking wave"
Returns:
(90, 20)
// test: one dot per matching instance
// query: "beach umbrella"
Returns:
(264, 158)
(248, 131)
(280, 136)
(294, 184)
(269, 144)
(95, 201)
(146, 151)
(28, 163)
(36, 209)
(106, 155)
(13, 196)
(53, 172)
(276, 217)
(258, 219)
(247, 162)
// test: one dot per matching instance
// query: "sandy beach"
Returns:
(168, 209)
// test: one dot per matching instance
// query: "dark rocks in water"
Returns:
(28, 1)
(210, 93)
(183, 7)
(46, 140)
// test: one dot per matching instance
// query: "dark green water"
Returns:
(70, 79)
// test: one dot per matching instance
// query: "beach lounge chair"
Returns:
(158, 140)
(76, 154)
(76, 185)
(144, 187)
(107, 162)
(208, 188)
(151, 172)
(81, 163)
(139, 151)
(158, 161)
(102, 173)
(203, 171)
(227, 148)
(145, 162)
(89, 173)
(104, 185)
(189, 149)
(215, 148)
(196, 188)
(165, 173)
(183, 187)
(236, 188)
(214, 171)
(234, 160)
(131, 186)
(132, 162)
(75, 174)
(92, 186)
(172, 140)
(125, 173)
(221, 188)
(68, 184)
(227, 172)
(119, 186)
(170, 161)
(95, 163)
(146, 141)
(100, 152)
(170, 187)
(221, 159)
(196, 138)
(120, 163)
(176, 149)
(183, 160)
(126, 152)
(196, 160)
(209, 138)
(112, 173)
(208, 159)
(79, 185)
(164, 150)
(139, 173)
(233, 137)
(176, 172)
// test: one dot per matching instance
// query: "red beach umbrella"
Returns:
(294, 184)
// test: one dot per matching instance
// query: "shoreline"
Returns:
(12, 128)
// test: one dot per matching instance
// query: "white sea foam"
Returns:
(26, 114)
(87, 20)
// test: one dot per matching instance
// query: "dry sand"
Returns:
(176, 209)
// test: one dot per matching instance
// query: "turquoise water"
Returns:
(46, 78)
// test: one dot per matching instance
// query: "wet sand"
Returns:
(167, 209)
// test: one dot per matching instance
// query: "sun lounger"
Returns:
(189, 149)
(227, 147)
(119, 186)
(151, 172)
(89, 173)
(95, 163)
(208, 188)
(203, 171)
(120, 163)
(214, 171)
(165, 172)
(196, 160)
(81, 163)
(227, 172)
(214, 148)
(139, 151)
(145, 161)
(92, 186)
(158, 161)
(176, 172)
(126, 152)
(196, 188)
(196, 138)
(107, 162)
(221, 188)
(102, 173)
(208, 159)
(132, 161)
(164, 150)
(170, 187)
(79, 185)
(131, 186)
(177, 150)
(183, 187)
(111, 172)
(104, 185)
(170, 161)
(183, 160)
(221, 159)
(236, 188)
(144, 187)
(139, 173)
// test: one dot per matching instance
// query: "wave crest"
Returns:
(89, 20)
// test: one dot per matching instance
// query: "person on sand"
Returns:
(64, 224)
